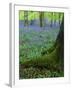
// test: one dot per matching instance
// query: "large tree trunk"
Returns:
(60, 44)
(60, 38)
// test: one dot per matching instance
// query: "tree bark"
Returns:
(41, 18)
(59, 18)
(26, 18)
(51, 20)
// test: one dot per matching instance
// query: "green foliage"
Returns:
(32, 72)
(33, 44)
(35, 15)
(42, 67)
(21, 15)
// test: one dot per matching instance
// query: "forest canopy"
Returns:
(35, 15)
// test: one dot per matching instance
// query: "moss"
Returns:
(47, 61)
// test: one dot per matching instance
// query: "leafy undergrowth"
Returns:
(32, 43)
(45, 66)
(32, 72)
